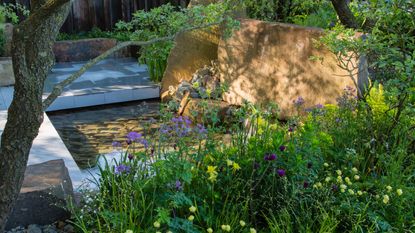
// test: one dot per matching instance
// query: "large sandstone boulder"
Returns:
(270, 62)
(192, 51)
(6, 72)
(46, 189)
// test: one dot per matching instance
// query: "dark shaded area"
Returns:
(104, 14)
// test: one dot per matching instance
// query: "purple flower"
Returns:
(306, 184)
(144, 142)
(256, 165)
(133, 136)
(178, 185)
(334, 188)
(281, 172)
(299, 101)
(290, 129)
(116, 144)
(282, 148)
(122, 168)
(130, 156)
(319, 106)
(269, 157)
(201, 130)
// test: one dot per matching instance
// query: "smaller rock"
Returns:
(34, 229)
(69, 228)
(49, 229)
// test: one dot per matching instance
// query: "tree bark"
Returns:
(32, 60)
(345, 14)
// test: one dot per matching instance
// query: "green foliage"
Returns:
(305, 13)
(166, 21)
(325, 171)
(95, 33)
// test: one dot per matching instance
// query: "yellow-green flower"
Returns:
(354, 170)
(360, 193)
(212, 170)
(236, 166)
(356, 177)
(226, 228)
(339, 172)
(328, 179)
(156, 224)
(191, 218)
(192, 209)
(339, 179)
(399, 192)
(242, 223)
(252, 230)
(229, 162)
(343, 186)
(389, 188)
(326, 164)
(129, 231)
(169, 232)
(351, 192)
(209, 230)
(385, 199)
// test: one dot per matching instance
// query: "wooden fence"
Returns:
(104, 14)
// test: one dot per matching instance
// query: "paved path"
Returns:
(110, 81)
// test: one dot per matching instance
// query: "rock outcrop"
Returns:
(46, 189)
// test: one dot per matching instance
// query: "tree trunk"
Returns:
(345, 14)
(32, 60)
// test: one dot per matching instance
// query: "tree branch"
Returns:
(345, 14)
(58, 89)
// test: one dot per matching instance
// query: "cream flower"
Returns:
(399, 192)
(209, 230)
(252, 230)
(192, 209)
(156, 224)
(389, 188)
(191, 218)
(385, 199)
(356, 177)
(354, 170)
(242, 223)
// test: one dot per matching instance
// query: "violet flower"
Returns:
(281, 172)
(122, 168)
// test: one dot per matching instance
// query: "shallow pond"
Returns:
(89, 132)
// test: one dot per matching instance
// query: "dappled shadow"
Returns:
(270, 62)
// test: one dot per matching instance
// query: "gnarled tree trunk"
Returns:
(32, 60)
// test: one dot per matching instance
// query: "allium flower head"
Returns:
(134, 136)
(130, 156)
(299, 101)
(281, 172)
(116, 144)
(282, 148)
(122, 168)
(270, 157)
